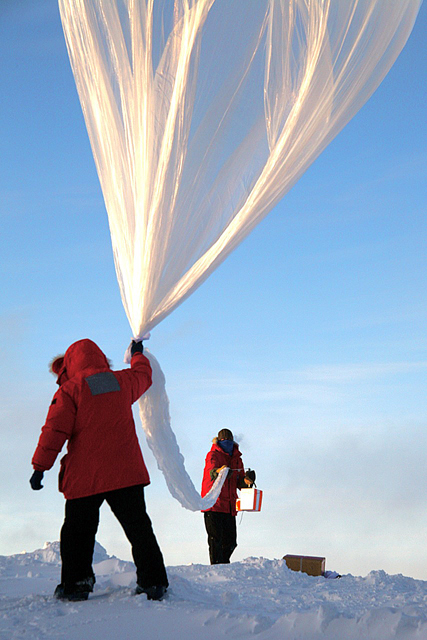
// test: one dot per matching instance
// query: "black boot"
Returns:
(77, 592)
(153, 593)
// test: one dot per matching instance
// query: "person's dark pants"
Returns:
(80, 527)
(222, 536)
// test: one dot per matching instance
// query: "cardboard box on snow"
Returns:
(313, 565)
(249, 500)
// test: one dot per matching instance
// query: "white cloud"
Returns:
(313, 384)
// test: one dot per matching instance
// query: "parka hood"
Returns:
(84, 354)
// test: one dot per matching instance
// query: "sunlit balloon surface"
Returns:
(202, 114)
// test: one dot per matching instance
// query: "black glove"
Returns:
(251, 475)
(136, 347)
(36, 480)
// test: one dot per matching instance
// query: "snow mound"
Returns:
(257, 597)
(49, 554)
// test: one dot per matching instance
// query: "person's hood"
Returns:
(83, 355)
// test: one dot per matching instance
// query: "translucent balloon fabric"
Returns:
(202, 114)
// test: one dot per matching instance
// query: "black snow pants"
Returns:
(80, 527)
(222, 536)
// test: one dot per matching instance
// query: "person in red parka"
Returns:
(220, 520)
(92, 410)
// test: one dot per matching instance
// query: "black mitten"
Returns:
(251, 475)
(136, 347)
(36, 480)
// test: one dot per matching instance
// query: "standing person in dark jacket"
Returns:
(92, 409)
(220, 520)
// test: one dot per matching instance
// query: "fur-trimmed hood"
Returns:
(83, 355)
(80, 356)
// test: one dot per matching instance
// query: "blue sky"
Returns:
(309, 342)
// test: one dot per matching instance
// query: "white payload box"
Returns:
(249, 500)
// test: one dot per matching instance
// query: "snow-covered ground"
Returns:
(257, 598)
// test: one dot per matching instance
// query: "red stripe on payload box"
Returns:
(257, 500)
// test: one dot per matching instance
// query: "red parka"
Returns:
(215, 459)
(93, 411)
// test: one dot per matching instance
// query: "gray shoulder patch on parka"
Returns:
(103, 382)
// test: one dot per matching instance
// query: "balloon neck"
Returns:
(145, 336)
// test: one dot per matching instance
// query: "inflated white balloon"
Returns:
(202, 114)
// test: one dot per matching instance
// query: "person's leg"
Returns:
(78, 540)
(215, 530)
(229, 540)
(128, 505)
